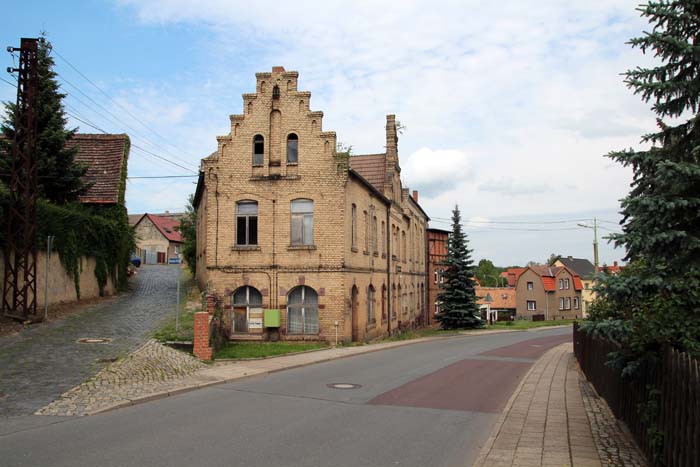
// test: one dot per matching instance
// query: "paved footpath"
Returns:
(555, 419)
(45, 360)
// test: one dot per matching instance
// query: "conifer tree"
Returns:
(658, 296)
(60, 177)
(458, 308)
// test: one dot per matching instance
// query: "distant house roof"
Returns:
(497, 297)
(512, 274)
(372, 167)
(104, 157)
(168, 226)
(612, 269)
(580, 266)
(548, 275)
(135, 218)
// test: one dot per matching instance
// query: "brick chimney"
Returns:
(278, 69)
(415, 195)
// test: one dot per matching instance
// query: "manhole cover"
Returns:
(343, 386)
(94, 340)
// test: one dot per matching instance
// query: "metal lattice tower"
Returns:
(19, 286)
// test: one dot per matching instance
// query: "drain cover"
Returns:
(94, 340)
(107, 360)
(343, 386)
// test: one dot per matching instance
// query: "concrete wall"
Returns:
(61, 286)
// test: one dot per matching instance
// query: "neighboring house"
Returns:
(586, 271)
(497, 300)
(284, 222)
(437, 253)
(549, 292)
(511, 275)
(178, 216)
(157, 239)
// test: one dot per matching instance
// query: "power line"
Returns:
(523, 229)
(513, 222)
(14, 85)
(161, 176)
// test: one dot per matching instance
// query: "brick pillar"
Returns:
(211, 303)
(202, 350)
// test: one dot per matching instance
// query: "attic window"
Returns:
(276, 92)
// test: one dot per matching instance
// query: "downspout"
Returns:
(216, 239)
(389, 309)
(275, 295)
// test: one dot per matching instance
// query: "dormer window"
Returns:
(292, 149)
(276, 92)
(258, 150)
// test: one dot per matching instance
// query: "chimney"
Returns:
(278, 69)
(615, 263)
(391, 140)
(167, 213)
(415, 195)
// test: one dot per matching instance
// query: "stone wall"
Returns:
(62, 286)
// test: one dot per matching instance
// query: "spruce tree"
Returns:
(458, 308)
(658, 296)
(60, 177)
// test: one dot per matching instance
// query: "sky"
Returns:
(509, 107)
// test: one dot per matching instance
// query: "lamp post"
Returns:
(595, 240)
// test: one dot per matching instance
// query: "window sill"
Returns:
(384, 255)
(354, 250)
(375, 254)
(366, 253)
(293, 164)
(259, 165)
(245, 248)
(301, 247)
(371, 326)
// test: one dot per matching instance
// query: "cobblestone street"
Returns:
(45, 360)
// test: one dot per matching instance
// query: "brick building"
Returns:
(157, 238)
(285, 222)
(437, 253)
(548, 292)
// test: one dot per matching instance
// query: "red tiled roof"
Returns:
(501, 297)
(548, 275)
(104, 157)
(512, 275)
(578, 285)
(372, 167)
(548, 283)
(168, 226)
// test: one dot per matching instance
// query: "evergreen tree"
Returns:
(458, 308)
(60, 177)
(658, 296)
(188, 230)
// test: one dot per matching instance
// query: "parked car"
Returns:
(136, 261)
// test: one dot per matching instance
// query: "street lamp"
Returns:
(595, 240)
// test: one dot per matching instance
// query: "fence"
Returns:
(673, 382)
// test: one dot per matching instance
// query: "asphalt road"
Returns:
(428, 404)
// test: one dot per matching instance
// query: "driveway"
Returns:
(428, 404)
(45, 360)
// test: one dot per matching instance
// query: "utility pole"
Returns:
(595, 240)
(19, 285)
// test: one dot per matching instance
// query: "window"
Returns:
(561, 284)
(531, 305)
(383, 239)
(370, 305)
(366, 231)
(530, 286)
(566, 284)
(567, 303)
(442, 276)
(302, 222)
(276, 92)
(374, 235)
(247, 223)
(437, 308)
(436, 276)
(576, 305)
(292, 149)
(561, 303)
(243, 300)
(258, 150)
(383, 303)
(302, 311)
(354, 226)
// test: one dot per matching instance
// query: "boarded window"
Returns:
(258, 150)
(302, 229)
(292, 149)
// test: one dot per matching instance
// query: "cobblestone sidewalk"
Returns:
(552, 421)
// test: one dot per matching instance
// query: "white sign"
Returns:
(255, 323)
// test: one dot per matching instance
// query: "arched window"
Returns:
(247, 223)
(276, 92)
(258, 150)
(302, 222)
(383, 240)
(393, 301)
(383, 303)
(371, 319)
(302, 311)
(243, 300)
(374, 235)
(292, 149)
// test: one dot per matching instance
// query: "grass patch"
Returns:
(527, 324)
(264, 349)
(190, 302)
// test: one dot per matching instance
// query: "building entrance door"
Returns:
(355, 317)
(247, 301)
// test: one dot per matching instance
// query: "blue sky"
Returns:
(509, 108)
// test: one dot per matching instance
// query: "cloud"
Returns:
(512, 187)
(432, 171)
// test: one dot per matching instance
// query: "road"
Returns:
(426, 404)
(45, 360)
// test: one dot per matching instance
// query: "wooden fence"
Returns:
(675, 382)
